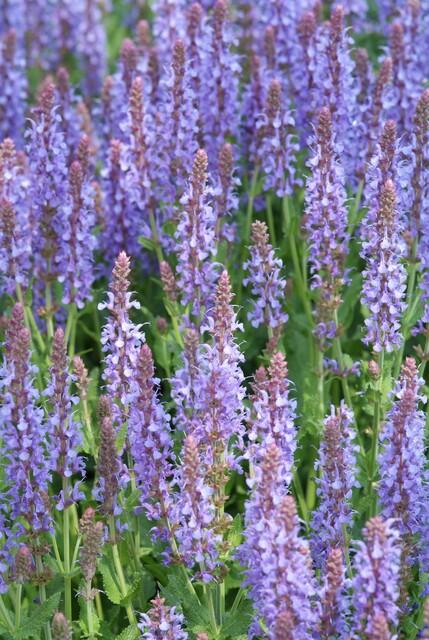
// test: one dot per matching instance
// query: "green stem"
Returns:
(375, 432)
(300, 281)
(154, 230)
(30, 321)
(119, 572)
(270, 220)
(18, 596)
(48, 305)
(42, 595)
(57, 554)
(89, 613)
(67, 566)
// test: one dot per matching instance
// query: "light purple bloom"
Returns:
(384, 274)
(195, 240)
(338, 469)
(274, 414)
(13, 88)
(403, 485)
(326, 223)
(376, 581)
(264, 276)
(162, 622)
(121, 339)
(64, 430)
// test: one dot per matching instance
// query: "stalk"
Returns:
(119, 571)
(375, 432)
(42, 595)
(18, 596)
(270, 220)
(67, 567)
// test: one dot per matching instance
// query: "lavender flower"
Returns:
(122, 217)
(335, 85)
(407, 41)
(121, 339)
(377, 104)
(13, 84)
(338, 466)
(150, 439)
(375, 584)
(195, 240)
(179, 131)
(65, 432)
(275, 414)
(47, 153)
(384, 275)
(332, 618)
(419, 151)
(77, 242)
(15, 228)
(225, 198)
(92, 48)
(326, 224)
(92, 533)
(112, 474)
(169, 25)
(284, 585)
(162, 622)
(268, 286)
(193, 514)
(184, 389)
(27, 467)
(278, 147)
(220, 81)
(403, 487)
(219, 403)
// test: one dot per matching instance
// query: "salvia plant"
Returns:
(214, 320)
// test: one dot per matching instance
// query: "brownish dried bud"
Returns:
(61, 629)
(223, 311)
(386, 212)
(162, 326)
(82, 381)
(143, 35)
(129, 58)
(24, 566)
(92, 544)
(332, 593)
(380, 629)
(108, 465)
(168, 281)
(373, 369)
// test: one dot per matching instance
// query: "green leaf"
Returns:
(132, 590)
(130, 633)
(147, 243)
(110, 587)
(37, 617)
(180, 592)
(237, 622)
(234, 533)
(121, 437)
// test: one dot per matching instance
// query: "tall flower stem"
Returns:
(42, 595)
(300, 279)
(18, 596)
(378, 402)
(30, 321)
(270, 220)
(67, 567)
(119, 571)
(90, 614)
(48, 303)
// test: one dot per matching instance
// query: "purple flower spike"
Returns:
(219, 402)
(275, 413)
(278, 148)
(376, 582)
(403, 487)
(194, 514)
(13, 91)
(112, 475)
(92, 48)
(332, 618)
(338, 468)
(220, 82)
(122, 215)
(15, 223)
(225, 198)
(27, 467)
(326, 224)
(121, 339)
(47, 156)
(384, 275)
(77, 243)
(162, 622)
(65, 434)
(265, 278)
(284, 584)
(150, 439)
(195, 237)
